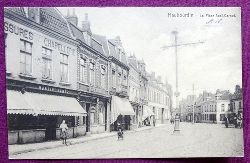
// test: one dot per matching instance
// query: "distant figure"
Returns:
(64, 129)
(120, 131)
(172, 120)
(226, 121)
(239, 120)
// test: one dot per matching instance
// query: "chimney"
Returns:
(159, 79)
(118, 41)
(72, 18)
(86, 24)
(86, 16)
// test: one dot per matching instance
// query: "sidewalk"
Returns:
(24, 148)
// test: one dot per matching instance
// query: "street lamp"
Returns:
(177, 93)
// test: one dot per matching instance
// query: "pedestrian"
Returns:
(119, 131)
(226, 121)
(64, 129)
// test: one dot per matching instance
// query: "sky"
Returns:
(214, 64)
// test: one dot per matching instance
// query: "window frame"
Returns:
(62, 63)
(26, 53)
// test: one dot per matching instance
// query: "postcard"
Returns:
(123, 82)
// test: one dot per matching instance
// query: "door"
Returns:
(162, 115)
(88, 117)
(50, 133)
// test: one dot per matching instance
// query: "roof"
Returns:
(102, 40)
(95, 43)
(77, 32)
(49, 17)
(223, 95)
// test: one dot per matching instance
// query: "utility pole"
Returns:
(177, 93)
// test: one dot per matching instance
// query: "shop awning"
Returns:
(17, 104)
(120, 106)
(147, 112)
(43, 104)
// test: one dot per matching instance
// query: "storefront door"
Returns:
(50, 124)
(88, 117)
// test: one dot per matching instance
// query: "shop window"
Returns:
(26, 57)
(83, 71)
(47, 63)
(64, 68)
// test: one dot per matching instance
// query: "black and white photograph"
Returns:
(123, 82)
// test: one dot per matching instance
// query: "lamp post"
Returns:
(177, 93)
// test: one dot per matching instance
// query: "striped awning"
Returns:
(17, 104)
(42, 104)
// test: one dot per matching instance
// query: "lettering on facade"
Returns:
(24, 33)
(58, 46)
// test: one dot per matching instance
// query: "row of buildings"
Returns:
(57, 70)
(212, 107)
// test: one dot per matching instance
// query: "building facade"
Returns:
(236, 102)
(135, 90)
(158, 99)
(215, 107)
(92, 75)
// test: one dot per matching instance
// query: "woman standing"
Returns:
(64, 129)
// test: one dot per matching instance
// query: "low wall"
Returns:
(26, 136)
(72, 132)
(96, 129)
(133, 126)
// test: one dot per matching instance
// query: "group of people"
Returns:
(234, 119)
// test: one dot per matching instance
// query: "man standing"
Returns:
(64, 129)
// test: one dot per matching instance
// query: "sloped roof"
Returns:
(77, 32)
(97, 46)
(50, 18)
(103, 41)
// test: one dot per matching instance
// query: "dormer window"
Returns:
(87, 38)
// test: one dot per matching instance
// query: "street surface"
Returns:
(195, 140)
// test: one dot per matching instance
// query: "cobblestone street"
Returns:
(201, 139)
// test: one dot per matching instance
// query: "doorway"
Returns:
(50, 126)
(88, 117)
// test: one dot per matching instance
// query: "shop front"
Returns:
(148, 118)
(35, 117)
(121, 112)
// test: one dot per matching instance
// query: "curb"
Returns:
(79, 142)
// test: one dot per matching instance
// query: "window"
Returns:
(92, 73)
(239, 104)
(47, 63)
(64, 68)
(113, 79)
(222, 107)
(103, 77)
(26, 57)
(119, 78)
(83, 74)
